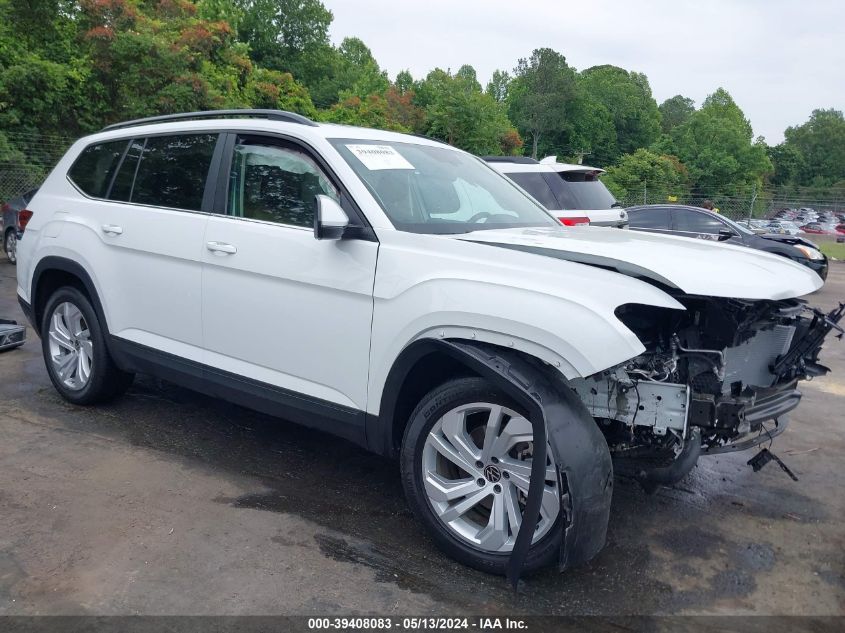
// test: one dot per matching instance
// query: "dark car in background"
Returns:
(10, 216)
(686, 221)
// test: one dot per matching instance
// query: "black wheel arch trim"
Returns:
(585, 471)
(74, 268)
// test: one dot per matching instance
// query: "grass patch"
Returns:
(832, 249)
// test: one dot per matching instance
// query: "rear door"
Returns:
(141, 225)
(651, 219)
(285, 313)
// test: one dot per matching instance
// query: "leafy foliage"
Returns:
(540, 94)
(820, 144)
(627, 97)
(675, 111)
(67, 67)
(716, 146)
(643, 169)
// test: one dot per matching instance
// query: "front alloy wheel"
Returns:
(466, 467)
(477, 467)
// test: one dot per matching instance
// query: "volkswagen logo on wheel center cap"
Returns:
(492, 473)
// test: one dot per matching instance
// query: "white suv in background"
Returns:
(572, 193)
(399, 293)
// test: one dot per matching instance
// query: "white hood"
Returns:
(696, 267)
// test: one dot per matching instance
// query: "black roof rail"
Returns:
(520, 160)
(272, 115)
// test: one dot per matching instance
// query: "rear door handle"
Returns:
(221, 247)
(112, 229)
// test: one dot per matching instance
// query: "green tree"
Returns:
(497, 87)
(675, 111)
(821, 143)
(540, 94)
(286, 34)
(404, 82)
(458, 112)
(788, 163)
(662, 176)
(717, 146)
(591, 133)
(627, 96)
(371, 111)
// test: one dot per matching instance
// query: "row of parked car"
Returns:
(807, 220)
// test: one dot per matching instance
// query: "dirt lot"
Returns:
(167, 502)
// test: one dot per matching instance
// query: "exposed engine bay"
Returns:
(721, 376)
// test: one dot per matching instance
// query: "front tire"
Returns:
(465, 466)
(75, 353)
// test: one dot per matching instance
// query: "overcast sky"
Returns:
(779, 59)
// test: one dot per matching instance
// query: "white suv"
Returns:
(400, 293)
(572, 193)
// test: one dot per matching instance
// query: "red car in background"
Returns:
(816, 229)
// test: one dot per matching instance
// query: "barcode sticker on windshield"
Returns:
(379, 157)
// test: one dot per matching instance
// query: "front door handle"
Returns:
(221, 247)
(112, 229)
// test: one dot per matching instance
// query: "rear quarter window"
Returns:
(93, 169)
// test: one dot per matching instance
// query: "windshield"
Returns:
(429, 189)
(578, 190)
(735, 226)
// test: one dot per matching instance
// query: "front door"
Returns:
(287, 315)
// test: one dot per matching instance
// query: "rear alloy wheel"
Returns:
(71, 351)
(466, 467)
(75, 353)
(10, 245)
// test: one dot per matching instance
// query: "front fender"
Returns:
(557, 415)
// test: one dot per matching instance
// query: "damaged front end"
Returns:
(720, 377)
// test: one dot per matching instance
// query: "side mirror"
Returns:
(725, 234)
(330, 220)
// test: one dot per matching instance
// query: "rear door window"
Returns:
(535, 184)
(656, 218)
(93, 170)
(172, 171)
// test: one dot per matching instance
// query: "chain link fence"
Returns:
(26, 159)
(745, 204)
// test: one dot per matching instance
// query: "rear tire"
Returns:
(75, 353)
(456, 538)
(10, 246)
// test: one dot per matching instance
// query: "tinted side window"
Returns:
(649, 219)
(173, 170)
(121, 188)
(276, 184)
(93, 170)
(695, 222)
(536, 185)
